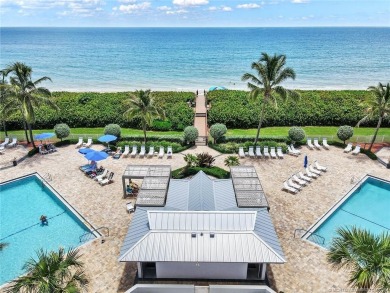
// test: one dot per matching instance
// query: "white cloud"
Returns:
(249, 6)
(127, 1)
(221, 8)
(226, 8)
(179, 11)
(190, 2)
(299, 1)
(164, 8)
(132, 8)
(212, 8)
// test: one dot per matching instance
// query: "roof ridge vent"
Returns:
(193, 235)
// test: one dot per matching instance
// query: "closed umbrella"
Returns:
(96, 156)
(305, 161)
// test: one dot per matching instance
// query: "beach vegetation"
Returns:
(62, 130)
(365, 255)
(113, 129)
(376, 106)
(296, 134)
(217, 131)
(345, 132)
(265, 85)
(191, 133)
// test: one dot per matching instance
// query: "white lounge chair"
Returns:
(241, 152)
(14, 143)
(258, 152)
(313, 170)
(309, 144)
(325, 143)
(310, 174)
(298, 180)
(266, 152)
(316, 144)
(356, 151)
(161, 152)
(101, 176)
(6, 141)
(279, 152)
(134, 151)
(126, 152)
(273, 153)
(291, 152)
(89, 142)
(130, 207)
(348, 148)
(79, 143)
(319, 167)
(169, 152)
(295, 150)
(142, 152)
(288, 188)
(293, 185)
(304, 177)
(251, 153)
(151, 152)
(107, 180)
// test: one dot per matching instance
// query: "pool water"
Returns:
(366, 207)
(22, 202)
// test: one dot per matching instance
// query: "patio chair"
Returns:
(142, 152)
(169, 152)
(291, 152)
(241, 152)
(161, 152)
(293, 185)
(313, 170)
(251, 153)
(325, 143)
(304, 177)
(266, 152)
(126, 152)
(295, 150)
(348, 148)
(89, 142)
(309, 144)
(273, 153)
(288, 188)
(102, 176)
(258, 152)
(1, 150)
(130, 207)
(14, 143)
(316, 144)
(279, 152)
(310, 174)
(108, 180)
(298, 180)
(134, 151)
(356, 151)
(151, 152)
(79, 143)
(319, 167)
(6, 141)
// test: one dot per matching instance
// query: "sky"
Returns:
(194, 13)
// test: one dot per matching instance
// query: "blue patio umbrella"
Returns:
(85, 151)
(43, 136)
(305, 161)
(107, 138)
(96, 156)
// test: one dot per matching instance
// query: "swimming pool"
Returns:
(365, 206)
(22, 202)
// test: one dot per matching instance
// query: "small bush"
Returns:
(345, 132)
(205, 160)
(296, 134)
(232, 161)
(213, 171)
(113, 129)
(217, 131)
(191, 160)
(159, 125)
(62, 130)
(190, 134)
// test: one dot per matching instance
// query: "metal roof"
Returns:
(247, 187)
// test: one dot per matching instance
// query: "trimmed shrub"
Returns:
(190, 134)
(159, 125)
(345, 132)
(213, 171)
(217, 131)
(62, 130)
(296, 134)
(172, 138)
(113, 129)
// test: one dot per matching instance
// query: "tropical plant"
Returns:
(296, 133)
(191, 160)
(26, 95)
(3, 98)
(232, 161)
(113, 129)
(52, 272)
(377, 106)
(266, 86)
(62, 130)
(365, 255)
(345, 132)
(141, 105)
(205, 160)
(190, 134)
(217, 131)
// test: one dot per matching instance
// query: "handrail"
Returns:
(94, 230)
(310, 234)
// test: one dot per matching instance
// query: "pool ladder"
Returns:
(318, 239)
(83, 238)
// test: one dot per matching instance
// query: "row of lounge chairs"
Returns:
(316, 145)
(297, 181)
(45, 149)
(267, 153)
(349, 147)
(142, 153)
(101, 175)
(81, 143)
(292, 151)
(7, 143)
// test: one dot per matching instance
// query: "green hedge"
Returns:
(99, 109)
(173, 138)
(326, 108)
(213, 171)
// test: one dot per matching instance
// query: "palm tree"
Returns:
(3, 97)
(53, 272)
(26, 95)
(266, 85)
(379, 106)
(366, 255)
(141, 105)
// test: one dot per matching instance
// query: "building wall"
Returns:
(234, 271)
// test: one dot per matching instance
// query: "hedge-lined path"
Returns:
(200, 121)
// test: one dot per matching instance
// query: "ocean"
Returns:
(119, 59)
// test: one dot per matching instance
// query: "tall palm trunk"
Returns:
(376, 132)
(25, 130)
(5, 128)
(31, 134)
(260, 122)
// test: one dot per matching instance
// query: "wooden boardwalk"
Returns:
(200, 121)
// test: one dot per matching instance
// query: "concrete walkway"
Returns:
(200, 121)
